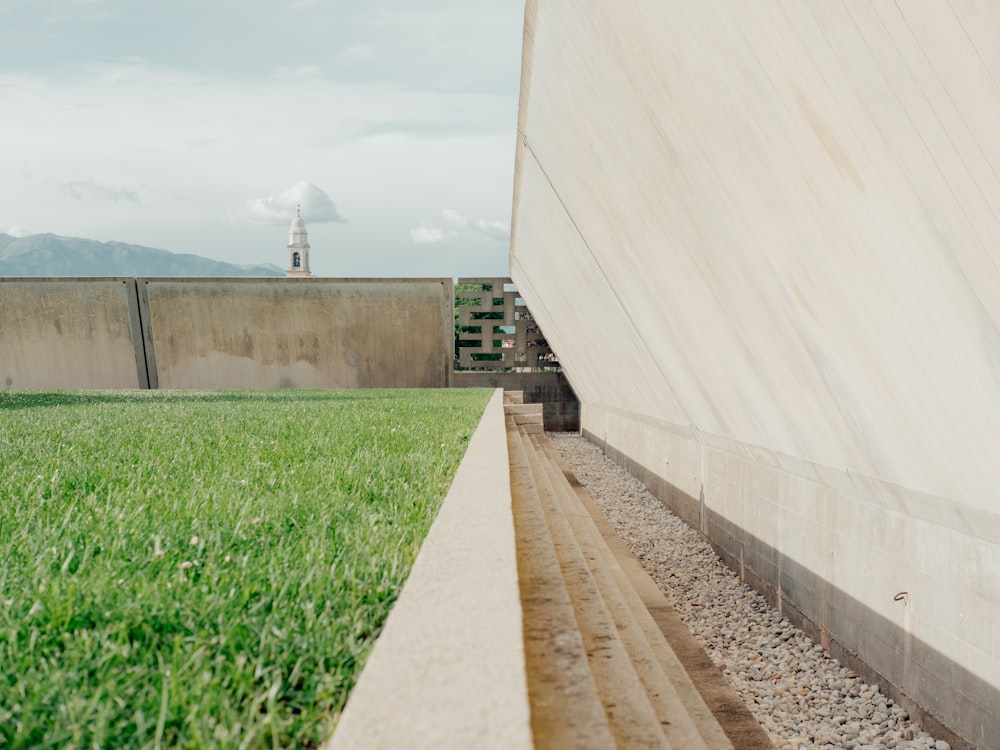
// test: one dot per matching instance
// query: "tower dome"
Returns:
(298, 247)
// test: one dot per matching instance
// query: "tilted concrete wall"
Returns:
(763, 239)
(225, 333)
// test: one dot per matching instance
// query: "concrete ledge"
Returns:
(526, 414)
(449, 668)
(534, 410)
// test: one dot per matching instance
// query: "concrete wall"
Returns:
(301, 333)
(69, 333)
(763, 238)
(225, 333)
(560, 407)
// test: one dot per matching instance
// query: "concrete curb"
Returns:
(448, 670)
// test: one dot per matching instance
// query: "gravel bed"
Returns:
(801, 695)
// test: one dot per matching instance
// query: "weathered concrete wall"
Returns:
(763, 239)
(225, 333)
(301, 333)
(69, 333)
(560, 406)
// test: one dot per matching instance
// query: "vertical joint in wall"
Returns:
(703, 504)
(135, 319)
(143, 339)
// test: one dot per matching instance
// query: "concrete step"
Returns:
(701, 684)
(513, 397)
(565, 708)
(633, 720)
(525, 625)
(688, 722)
(640, 688)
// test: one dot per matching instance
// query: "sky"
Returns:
(198, 126)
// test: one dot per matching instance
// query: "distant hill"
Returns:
(52, 255)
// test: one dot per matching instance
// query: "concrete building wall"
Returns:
(763, 239)
(69, 333)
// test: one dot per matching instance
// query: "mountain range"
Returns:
(52, 255)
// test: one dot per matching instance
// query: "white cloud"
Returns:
(90, 190)
(317, 207)
(16, 231)
(494, 230)
(460, 227)
(425, 235)
(455, 218)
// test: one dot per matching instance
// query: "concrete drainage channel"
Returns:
(526, 624)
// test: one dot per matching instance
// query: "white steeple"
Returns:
(298, 247)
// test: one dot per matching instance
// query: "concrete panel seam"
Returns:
(146, 333)
(135, 328)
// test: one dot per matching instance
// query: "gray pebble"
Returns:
(794, 689)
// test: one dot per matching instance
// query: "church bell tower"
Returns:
(298, 248)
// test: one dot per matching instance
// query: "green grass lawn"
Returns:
(207, 569)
